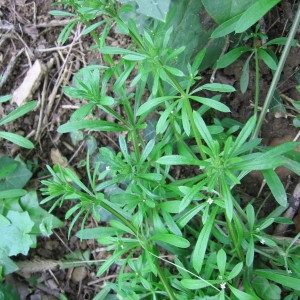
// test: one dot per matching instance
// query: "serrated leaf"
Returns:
(15, 238)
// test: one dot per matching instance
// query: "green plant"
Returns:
(173, 238)
(22, 220)
(15, 114)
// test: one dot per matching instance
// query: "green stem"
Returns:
(278, 71)
(256, 99)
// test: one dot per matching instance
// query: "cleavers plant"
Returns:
(173, 237)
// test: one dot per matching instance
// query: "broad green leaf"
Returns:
(280, 41)
(265, 289)
(154, 9)
(202, 241)
(255, 12)
(19, 112)
(280, 277)
(276, 186)
(15, 238)
(8, 266)
(8, 168)
(16, 179)
(231, 56)
(222, 11)
(92, 125)
(171, 239)
(14, 193)
(17, 139)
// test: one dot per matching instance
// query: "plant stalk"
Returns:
(277, 73)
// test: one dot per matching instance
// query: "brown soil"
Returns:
(27, 29)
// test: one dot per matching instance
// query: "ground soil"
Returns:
(26, 26)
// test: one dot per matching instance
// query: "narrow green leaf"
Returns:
(174, 71)
(178, 160)
(171, 239)
(216, 87)
(231, 56)
(203, 130)
(19, 112)
(92, 125)
(195, 284)
(275, 186)
(242, 295)
(225, 28)
(152, 103)
(255, 12)
(244, 80)
(250, 252)
(267, 59)
(280, 277)
(5, 98)
(202, 241)
(250, 216)
(235, 271)
(221, 261)
(211, 103)
(61, 13)
(185, 218)
(17, 139)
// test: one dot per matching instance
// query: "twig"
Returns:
(10, 67)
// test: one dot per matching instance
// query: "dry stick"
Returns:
(10, 67)
(59, 80)
(294, 203)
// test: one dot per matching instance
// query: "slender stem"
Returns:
(256, 99)
(278, 71)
